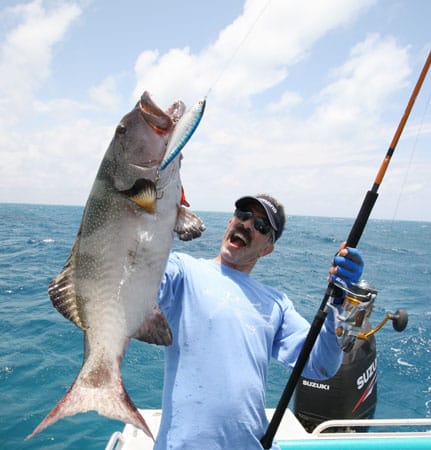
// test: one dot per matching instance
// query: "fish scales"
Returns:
(109, 284)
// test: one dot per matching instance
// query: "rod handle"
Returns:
(283, 403)
(362, 219)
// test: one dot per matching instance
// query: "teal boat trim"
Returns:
(399, 443)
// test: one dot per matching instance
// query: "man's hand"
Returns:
(347, 267)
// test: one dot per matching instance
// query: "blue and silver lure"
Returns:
(183, 131)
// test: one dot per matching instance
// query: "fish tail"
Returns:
(111, 401)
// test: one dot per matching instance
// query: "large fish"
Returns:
(109, 284)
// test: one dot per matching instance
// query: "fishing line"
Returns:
(188, 123)
(411, 158)
(331, 291)
(391, 221)
(235, 52)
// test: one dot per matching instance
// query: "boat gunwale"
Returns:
(291, 432)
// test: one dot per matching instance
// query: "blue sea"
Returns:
(41, 352)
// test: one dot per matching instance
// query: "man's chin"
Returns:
(229, 252)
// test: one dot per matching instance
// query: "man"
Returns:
(226, 326)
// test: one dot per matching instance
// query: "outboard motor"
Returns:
(352, 392)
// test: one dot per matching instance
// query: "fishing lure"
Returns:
(183, 131)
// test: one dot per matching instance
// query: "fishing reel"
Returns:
(351, 318)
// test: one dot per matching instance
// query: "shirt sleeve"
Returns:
(171, 282)
(326, 355)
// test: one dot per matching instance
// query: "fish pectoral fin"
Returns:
(189, 225)
(144, 194)
(155, 329)
(62, 292)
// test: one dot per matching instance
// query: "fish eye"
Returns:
(121, 129)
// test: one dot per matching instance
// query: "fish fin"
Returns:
(155, 329)
(189, 225)
(183, 201)
(109, 399)
(144, 194)
(62, 292)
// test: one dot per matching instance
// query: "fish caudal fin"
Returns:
(111, 401)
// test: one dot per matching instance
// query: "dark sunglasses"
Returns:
(260, 224)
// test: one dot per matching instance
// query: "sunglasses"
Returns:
(260, 224)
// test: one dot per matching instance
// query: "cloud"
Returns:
(287, 101)
(52, 166)
(250, 56)
(37, 154)
(106, 94)
(376, 68)
(246, 142)
(26, 53)
(259, 133)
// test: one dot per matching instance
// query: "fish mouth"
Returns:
(146, 164)
(161, 121)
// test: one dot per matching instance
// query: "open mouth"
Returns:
(239, 238)
(161, 121)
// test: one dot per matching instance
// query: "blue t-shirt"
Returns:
(225, 328)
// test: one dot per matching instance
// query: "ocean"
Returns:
(41, 352)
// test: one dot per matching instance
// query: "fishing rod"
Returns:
(352, 241)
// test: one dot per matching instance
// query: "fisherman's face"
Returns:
(242, 244)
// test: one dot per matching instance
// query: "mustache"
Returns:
(239, 229)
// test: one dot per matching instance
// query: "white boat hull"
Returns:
(382, 434)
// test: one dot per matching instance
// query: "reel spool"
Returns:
(352, 392)
(356, 308)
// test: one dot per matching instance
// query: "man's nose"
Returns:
(249, 223)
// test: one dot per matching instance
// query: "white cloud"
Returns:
(240, 146)
(54, 166)
(286, 102)
(37, 155)
(106, 95)
(250, 56)
(257, 135)
(26, 53)
(376, 68)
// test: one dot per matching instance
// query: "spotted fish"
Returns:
(109, 284)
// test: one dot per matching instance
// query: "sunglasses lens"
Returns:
(260, 224)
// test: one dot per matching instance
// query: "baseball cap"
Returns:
(274, 210)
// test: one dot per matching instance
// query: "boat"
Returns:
(352, 393)
(369, 434)
(311, 426)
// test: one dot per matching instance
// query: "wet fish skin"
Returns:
(109, 284)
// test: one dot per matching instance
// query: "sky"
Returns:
(303, 98)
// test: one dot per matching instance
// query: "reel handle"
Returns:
(399, 320)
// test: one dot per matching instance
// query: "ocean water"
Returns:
(41, 352)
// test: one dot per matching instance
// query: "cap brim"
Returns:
(243, 201)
